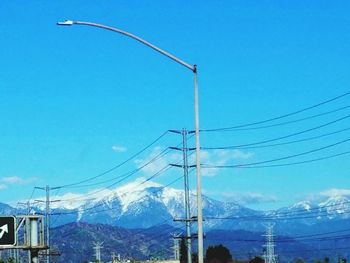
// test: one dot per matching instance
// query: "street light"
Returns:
(193, 68)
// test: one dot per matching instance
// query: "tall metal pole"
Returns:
(187, 196)
(47, 219)
(196, 115)
(198, 169)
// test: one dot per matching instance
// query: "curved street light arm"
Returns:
(193, 68)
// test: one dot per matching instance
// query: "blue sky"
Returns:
(76, 101)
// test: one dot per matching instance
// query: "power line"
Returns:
(278, 117)
(282, 215)
(275, 144)
(285, 136)
(274, 217)
(60, 214)
(297, 163)
(118, 165)
(164, 169)
(295, 238)
(127, 175)
(121, 178)
(277, 159)
(108, 209)
(292, 121)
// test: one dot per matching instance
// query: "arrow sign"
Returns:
(4, 229)
(7, 231)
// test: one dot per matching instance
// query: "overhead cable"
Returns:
(278, 117)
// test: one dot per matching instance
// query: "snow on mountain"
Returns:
(335, 206)
(304, 205)
(137, 204)
(135, 191)
(145, 203)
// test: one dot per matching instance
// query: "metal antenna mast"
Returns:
(269, 255)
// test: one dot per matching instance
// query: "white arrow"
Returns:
(4, 229)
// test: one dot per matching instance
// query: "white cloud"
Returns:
(156, 161)
(329, 193)
(335, 192)
(220, 158)
(119, 149)
(247, 198)
(16, 180)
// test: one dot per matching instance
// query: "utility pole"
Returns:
(269, 255)
(97, 247)
(187, 203)
(47, 189)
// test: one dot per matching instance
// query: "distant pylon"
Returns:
(176, 246)
(97, 247)
(114, 258)
(269, 255)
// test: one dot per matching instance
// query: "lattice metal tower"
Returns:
(269, 255)
(176, 247)
(97, 249)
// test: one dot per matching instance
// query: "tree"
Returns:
(218, 254)
(183, 250)
(257, 260)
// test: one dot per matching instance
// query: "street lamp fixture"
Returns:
(65, 23)
(193, 68)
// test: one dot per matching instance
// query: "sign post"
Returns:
(7, 231)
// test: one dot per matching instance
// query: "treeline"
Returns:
(221, 254)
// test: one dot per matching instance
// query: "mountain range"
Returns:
(143, 209)
(143, 204)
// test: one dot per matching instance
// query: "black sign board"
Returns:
(7, 231)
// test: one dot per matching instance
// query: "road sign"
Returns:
(7, 231)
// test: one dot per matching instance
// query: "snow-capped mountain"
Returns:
(142, 204)
(138, 204)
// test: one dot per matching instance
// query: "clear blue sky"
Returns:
(69, 94)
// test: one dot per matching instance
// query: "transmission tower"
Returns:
(97, 247)
(114, 258)
(47, 202)
(269, 255)
(176, 247)
(184, 149)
